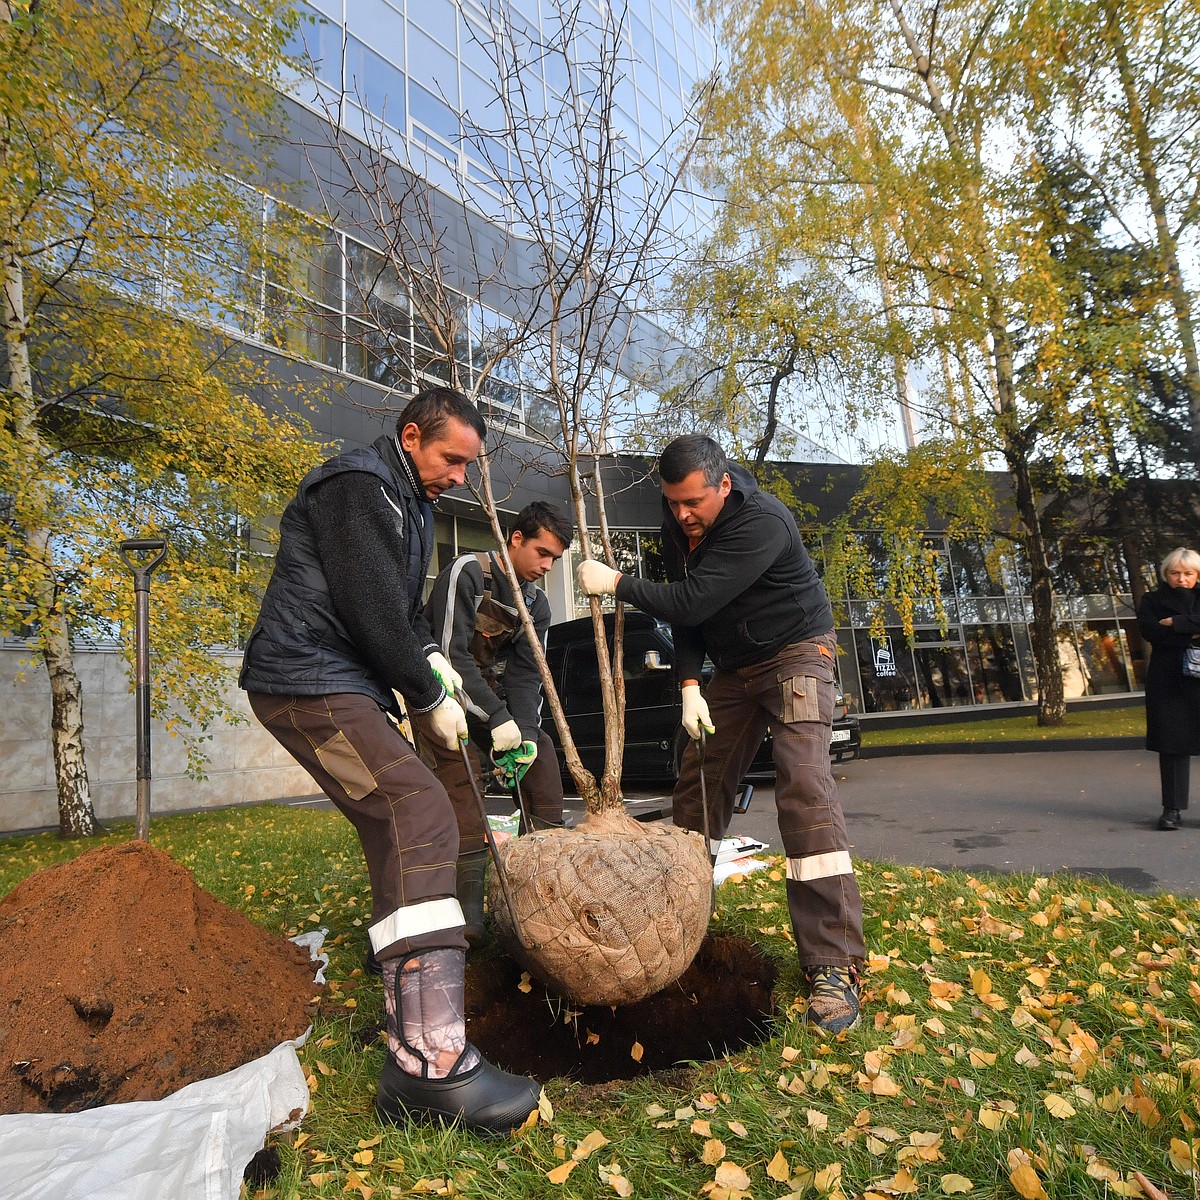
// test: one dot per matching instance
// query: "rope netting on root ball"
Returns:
(607, 913)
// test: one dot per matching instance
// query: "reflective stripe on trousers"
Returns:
(402, 815)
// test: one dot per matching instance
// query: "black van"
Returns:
(654, 739)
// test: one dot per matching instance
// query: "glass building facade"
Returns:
(419, 82)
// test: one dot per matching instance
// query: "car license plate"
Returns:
(840, 735)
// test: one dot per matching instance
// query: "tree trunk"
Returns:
(1016, 446)
(76, 817)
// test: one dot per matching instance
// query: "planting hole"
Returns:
(721, 1003)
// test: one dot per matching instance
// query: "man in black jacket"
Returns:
(744, 591)
(341, 630)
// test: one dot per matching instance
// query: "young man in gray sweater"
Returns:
(473, 614)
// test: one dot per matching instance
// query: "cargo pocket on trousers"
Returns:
(802, 698)
(341, 760)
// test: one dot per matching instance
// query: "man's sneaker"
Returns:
(832, 998)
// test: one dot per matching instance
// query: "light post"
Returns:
(141, 556)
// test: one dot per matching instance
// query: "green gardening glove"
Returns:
(511, 765)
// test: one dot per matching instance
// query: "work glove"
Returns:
(506, 736)
(445, 674)
(448, 723)
(596, 579)
(695, 712)
(511, 765)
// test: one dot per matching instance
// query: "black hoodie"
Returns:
(746, 591)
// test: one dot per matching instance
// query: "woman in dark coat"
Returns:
(1169, 618)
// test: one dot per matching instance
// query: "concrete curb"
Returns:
(1016, 746)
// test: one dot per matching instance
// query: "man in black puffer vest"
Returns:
(341, 631)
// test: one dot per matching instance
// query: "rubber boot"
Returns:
(432, 1072)
(472, 867)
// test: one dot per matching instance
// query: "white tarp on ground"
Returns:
(193, 1145)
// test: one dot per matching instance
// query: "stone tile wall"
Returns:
(245, 763)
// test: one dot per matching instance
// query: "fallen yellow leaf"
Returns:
(827, 1178)
(1058, 1106)
(589, 1145)
(954, 1185)
(635, 1051)
(730, 1175)
(1025, 1179)
(560, 1173)
(738, 1128)
(778, 1168)
(713, 1152)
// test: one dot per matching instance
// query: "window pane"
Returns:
(436, 17)
(433, 113)
(380, 352)
(377, 84)
(436, 64)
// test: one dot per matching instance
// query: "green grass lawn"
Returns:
(1021, 1036)
(1081, 723)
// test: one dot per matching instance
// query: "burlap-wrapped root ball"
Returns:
(608, 913)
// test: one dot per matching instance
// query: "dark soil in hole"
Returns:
(721, 1003)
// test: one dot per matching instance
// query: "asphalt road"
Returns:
(1092, 812)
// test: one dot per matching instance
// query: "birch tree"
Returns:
(129, 239)
(898, 142)
(1123, 99)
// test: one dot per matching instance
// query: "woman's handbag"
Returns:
(1191, 662)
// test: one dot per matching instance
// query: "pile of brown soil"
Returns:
(123, 980)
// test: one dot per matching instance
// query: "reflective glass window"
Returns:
(942, 677)
(436, 17)
(438, 67)
(375, 82)
(885, 667)
(379, 24)
(972, 574)
(319, 40)
(433, 113)
(380, 350)
(992, 659)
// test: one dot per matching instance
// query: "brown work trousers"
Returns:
(792, 694)
(361, 761)
(541, 785)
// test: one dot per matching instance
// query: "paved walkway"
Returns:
(1088, 811)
